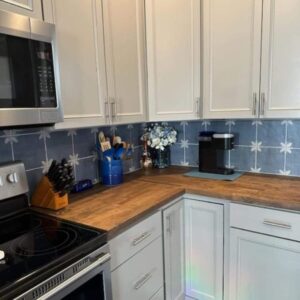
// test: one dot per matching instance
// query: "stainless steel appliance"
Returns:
(29, 85)
(44, 257)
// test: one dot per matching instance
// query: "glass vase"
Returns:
(161, 158)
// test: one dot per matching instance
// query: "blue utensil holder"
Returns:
(111, 171)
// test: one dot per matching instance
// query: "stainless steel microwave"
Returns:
(28, 72)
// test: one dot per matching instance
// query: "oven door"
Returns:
(94, 282)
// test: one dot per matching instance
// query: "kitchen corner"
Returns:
(149, 150)
(116, 208)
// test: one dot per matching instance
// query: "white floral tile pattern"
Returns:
(39, 147)
(261, 146)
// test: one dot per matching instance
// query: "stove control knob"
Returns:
(2, 254)
(12, 178)
(1, 181)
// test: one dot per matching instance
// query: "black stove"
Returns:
(35, 246)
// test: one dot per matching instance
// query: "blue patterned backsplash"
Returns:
(261, 146)
(38, 147)
(265, 146)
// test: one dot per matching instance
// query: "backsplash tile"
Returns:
(6, 152)
(261, 146)
(271, 133)
(38, 147)
(242, 158)
(267, 146)
(33, 153)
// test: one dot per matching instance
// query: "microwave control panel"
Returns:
(45, 74)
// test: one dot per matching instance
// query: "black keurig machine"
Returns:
(213, 148)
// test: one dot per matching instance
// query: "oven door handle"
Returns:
(97, 266)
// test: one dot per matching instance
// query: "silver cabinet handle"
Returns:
(113, 108)
(254, 108)
(277, 224)
(140, 238)
(142, 281)
(198, 104)
(169, 229)
(106, 110)
(262, 104)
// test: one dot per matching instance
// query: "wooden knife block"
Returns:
(45, 197)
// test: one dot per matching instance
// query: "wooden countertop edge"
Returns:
(146, 213)
(178, 189)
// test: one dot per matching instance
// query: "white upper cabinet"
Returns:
(231, 58)
(31, 8)
(280, 85)
(79, 43)
(173, 54)
(124, 30)
(204, 250)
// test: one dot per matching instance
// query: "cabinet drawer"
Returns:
(141, 276)
(268, 221)
(134, 239)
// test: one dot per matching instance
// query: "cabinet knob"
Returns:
(12, 178)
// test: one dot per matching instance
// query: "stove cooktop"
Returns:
(37, 245)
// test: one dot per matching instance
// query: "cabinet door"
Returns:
(31, 8)
(263, 267)
(124, 29)
(280, 88)
(80, 50)
(173, 54)
(231, 50)
(173, 222)
(204, 250)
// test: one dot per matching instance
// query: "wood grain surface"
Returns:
(264, 190)
(115, 209)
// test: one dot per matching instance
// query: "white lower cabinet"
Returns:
(263, 267)
(137, 261)
(140, 277)
(264, 262)
(204, 250)
(173, 223)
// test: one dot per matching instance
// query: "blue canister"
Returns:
(111, 171)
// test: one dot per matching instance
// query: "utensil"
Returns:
(101, 137)
(60, 176)
(119, 153)
(105, 146)
(117, 140)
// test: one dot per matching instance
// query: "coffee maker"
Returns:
(213, 150)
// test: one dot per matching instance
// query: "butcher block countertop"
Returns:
(115, 209)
